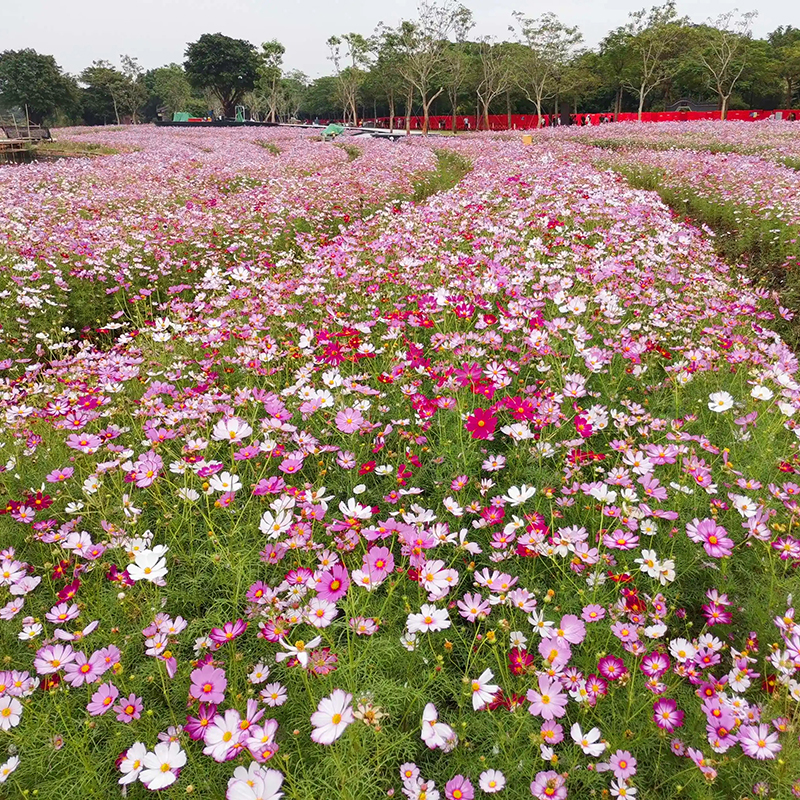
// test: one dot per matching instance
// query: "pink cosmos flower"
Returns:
(549, 701)
(102, 699)
(349, 420)
(228, 632)
(571, 629)
(129, 709)
(549, 785)
(758, 742)
(378, 563)
(623, 765)
(60, 475)
(459, 788)
(208, 684)
(52, 658)
(273, 695)
(492, 781)
(593, 612)
(333, 715)
(84, 669)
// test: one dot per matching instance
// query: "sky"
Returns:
(156, 31)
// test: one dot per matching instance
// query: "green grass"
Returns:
(352, 151)
(451, 169)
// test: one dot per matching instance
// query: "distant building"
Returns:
(684, 104)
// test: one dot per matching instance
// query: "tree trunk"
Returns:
(391, 112)
(724, 108)
(618, 104)
(116, 111)
(508, 109)
(641, 103)
(409, 101)
(486, 115)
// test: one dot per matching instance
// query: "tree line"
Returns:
(433, 64)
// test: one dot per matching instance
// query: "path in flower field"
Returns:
(316, 490)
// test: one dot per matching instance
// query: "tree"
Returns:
(785, 42)
(133, 93)
(172, 88)
(270, 72)
(30, 79)
(581, 78)
(386, 77)
(615, 57)
(724, 53)
(293, 87)
(459, 66)
(423, 43)
(225, 66)
(350, 55)
(104, 82)
(494, 74)
(654, 39)
(548, 45)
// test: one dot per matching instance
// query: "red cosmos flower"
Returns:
(60, 571)
(481, 423)
(39, 500)
(69, 591)
(366, 467)
(521, 661)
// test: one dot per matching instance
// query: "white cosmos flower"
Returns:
(761, 393)
(482, 691)
(299, 650)
(149, 565)
(225, 482)
(589, 742)
(516, 496)
(133, 763)
(7, 768)
(720, 401)
(10, 712)
(160, 765)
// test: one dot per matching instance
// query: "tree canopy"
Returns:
(30, 79)
(225, 66)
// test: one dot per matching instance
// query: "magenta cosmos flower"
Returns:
(667, 715)
(549, 702)
(197, 726)
(208, 684)
(332, 716)
(333, 584)
(228, 632)
(481, 423)
(349, 420)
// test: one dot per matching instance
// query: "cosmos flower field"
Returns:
(327, 475)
